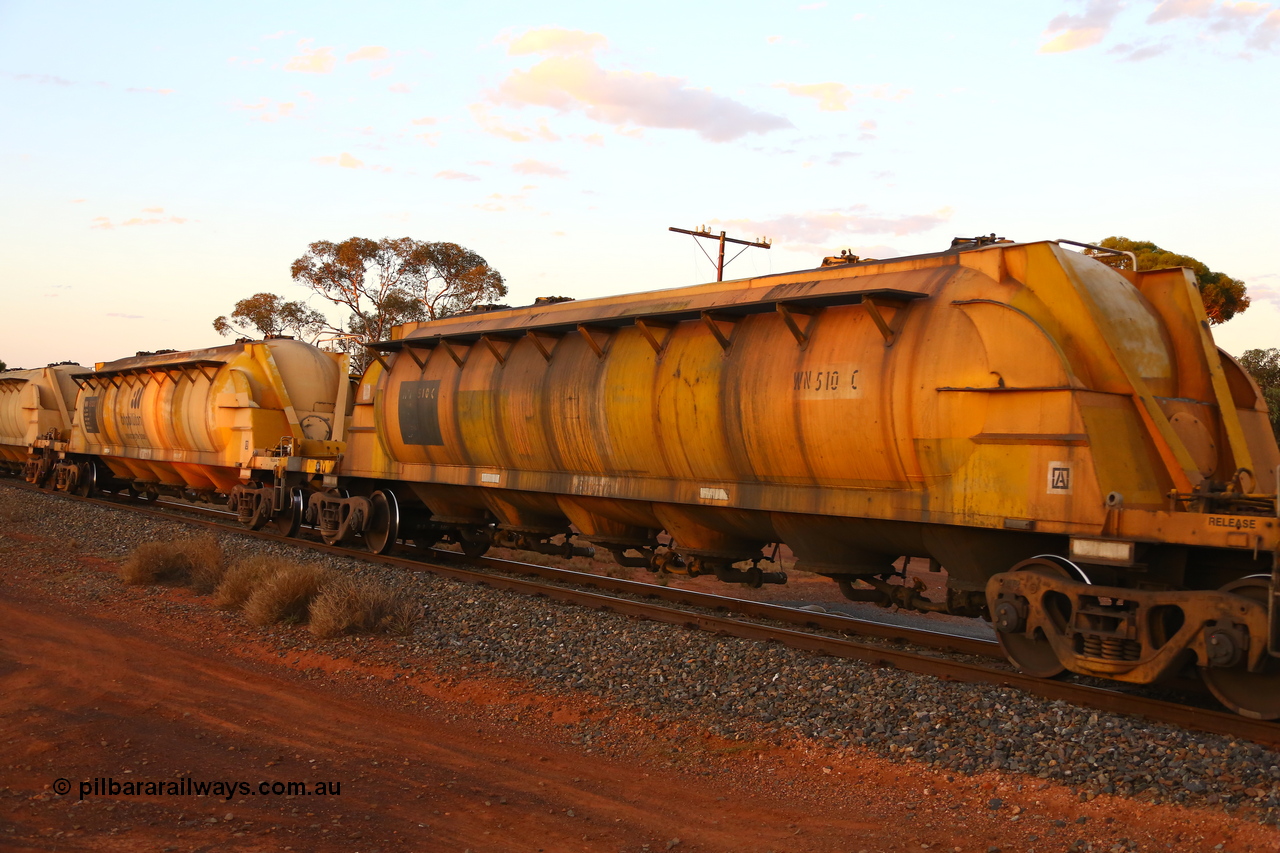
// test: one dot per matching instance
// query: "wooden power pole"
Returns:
(704, 231)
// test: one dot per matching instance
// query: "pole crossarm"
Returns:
(762, 243)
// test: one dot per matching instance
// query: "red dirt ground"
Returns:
(98, 680)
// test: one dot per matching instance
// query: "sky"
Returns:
(162, 161)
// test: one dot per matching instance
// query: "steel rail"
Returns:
(1157, 710)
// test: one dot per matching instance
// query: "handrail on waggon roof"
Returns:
(490, 324)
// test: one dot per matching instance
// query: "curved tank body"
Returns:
(205, 420)
(34, 404)
(976, 407)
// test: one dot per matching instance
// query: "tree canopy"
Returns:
(390, 281)
(270, 314)
(1223, 296)
(1264, 366)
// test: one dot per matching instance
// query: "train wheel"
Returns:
(1250, 694)
(88, 481)
(289, 520)
(473, 544)
(1034, 655)
(384, 522)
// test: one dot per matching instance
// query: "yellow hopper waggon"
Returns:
(1061, 435)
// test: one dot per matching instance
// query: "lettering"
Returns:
(830, 381)
(420, 412)
(1058, 479)
(1233, 522)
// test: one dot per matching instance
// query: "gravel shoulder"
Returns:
(509, 723)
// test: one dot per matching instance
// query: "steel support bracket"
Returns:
(647, 328)
(713, 321)
(587, 333)
(543, 349)
(789, 312)
(889, 333)
(453, 353)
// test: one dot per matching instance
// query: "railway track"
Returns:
(836, 635)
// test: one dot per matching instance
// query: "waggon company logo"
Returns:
(1059, 478)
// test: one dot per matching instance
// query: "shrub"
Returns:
(196, 562)
(239, 581)
(351, 605)
(285, 595)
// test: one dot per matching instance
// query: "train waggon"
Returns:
(256, 422)
(35, 413)
(1064, 437)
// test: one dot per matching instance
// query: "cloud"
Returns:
(369, 52)
(426, 120)
(126, 316)
(536, 167)
(831, 97)
(79, 200)
(1140, 51)
(837, 97)
(400, 88)
(821, 230)
(43, 79)
(575, 83)
(149, 91)
(348, 161)
(494, 125)
(1076, 32)
(278, 35)
(1258, 23)
(1170, 10)
(557, 41)
(1267, 33)
(267, 110)
(104, 223)
(318, 60)
(451, 175)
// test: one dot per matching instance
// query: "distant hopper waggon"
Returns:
(1097, 478)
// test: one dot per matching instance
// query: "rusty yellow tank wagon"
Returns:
(257, 421)
(1064, 437)
(35, 414)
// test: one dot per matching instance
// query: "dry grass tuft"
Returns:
(286, 594)
(243, 578)
(351, 605)
(196, 562)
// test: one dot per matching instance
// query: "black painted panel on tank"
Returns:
(91, 414)
(420, 412)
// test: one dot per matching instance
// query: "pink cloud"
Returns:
(821, 230)
(451, 175)
(558, 41)
(1076, 32)
(620, 98)
(367, 53)
(104, 223)
(400, 88)
(536, 167)
(267, 110)
(343, 160)
(837, 97)
(318, 60)
(1170, 10)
